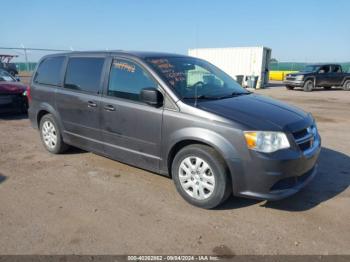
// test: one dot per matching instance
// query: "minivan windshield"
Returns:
(195, 78)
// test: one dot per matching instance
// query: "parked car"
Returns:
(175, 115)
(7, 66)
(13, 94)
(325, 75)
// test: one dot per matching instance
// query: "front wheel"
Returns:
(201, 176)
(51, 135)
(308, 86)
(346, 85)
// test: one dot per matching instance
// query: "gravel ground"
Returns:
(81, 203)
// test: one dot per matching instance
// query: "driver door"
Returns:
(324, 76)
(131, 129)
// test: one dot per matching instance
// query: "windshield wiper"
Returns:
(205, 97)
(235, 94)
(202, 97)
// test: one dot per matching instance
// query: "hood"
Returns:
(258, 112)
(12, 87)
(299, 73)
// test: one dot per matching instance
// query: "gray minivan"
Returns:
(175, 115)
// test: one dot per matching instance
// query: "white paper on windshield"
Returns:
(7, 78)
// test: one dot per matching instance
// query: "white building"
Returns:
(246, 61)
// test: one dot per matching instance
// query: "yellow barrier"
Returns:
(279, 75)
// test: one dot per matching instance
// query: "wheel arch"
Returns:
(345, 79)
(45, 109)
(204, 137)
(312, 78)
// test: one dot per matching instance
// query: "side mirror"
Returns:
(321, 71)
(151, 96)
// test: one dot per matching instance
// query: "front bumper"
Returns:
(295, 83)
(277, 175)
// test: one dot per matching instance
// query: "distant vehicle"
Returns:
(322, 75)
(7, 66)
(176, 115)
(13, 94)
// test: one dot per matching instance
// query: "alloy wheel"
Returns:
(196, 178)
(49, 134)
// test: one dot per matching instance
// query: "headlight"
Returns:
(266, 142)
(314, 129)
(299, 77)
(24, 93)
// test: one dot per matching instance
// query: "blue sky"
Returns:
(297, 30)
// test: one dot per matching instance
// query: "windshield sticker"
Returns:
(168, 70)
(124, 66)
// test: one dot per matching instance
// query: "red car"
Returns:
(13, 94)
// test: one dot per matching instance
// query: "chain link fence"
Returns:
(289, 66)
(27, 58)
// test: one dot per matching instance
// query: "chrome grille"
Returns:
(305, 137)
(291, 78)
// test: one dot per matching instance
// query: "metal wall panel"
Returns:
(234, 61)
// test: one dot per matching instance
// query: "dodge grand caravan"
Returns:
(178, 116)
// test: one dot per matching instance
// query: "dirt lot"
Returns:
(81, 203)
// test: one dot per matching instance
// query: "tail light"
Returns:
(29, 96)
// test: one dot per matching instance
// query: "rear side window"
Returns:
(49, 71)
(127, 79)
(84, 74)
(336, 69)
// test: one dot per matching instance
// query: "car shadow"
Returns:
(13, 116)
(2, 178)
(332, 178)
(237, 202)
(274, 84)
(74, 150)
(317, 89)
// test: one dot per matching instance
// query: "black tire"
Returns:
(24, 108)
(308, 85)
(327, 87)
(290, 87)
(346, 85)
(222, 189)
(59, 146)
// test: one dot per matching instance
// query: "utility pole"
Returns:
(25, 57)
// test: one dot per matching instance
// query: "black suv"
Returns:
(325, 75)
(175, 115)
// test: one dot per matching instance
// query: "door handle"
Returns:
(109, 108)
(92, 104)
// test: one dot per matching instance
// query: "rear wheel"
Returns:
(290, 87)
(201, 176)
(308, 85)
(51, 135)
(346, 85)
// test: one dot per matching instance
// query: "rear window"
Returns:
(49, 71)
(84, 74)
